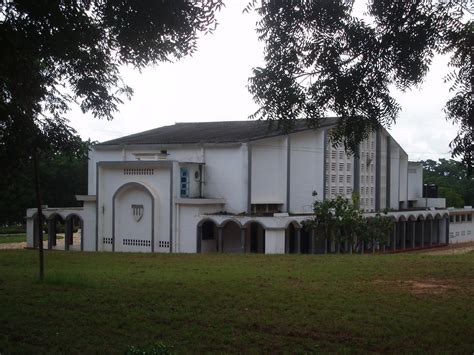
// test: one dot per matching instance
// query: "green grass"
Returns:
(13, 238)
(19, 238)
(114, 303)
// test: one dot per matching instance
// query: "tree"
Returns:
(57, 52)
(320, 58)
(63, 175)
(452, 179)
(341, 221)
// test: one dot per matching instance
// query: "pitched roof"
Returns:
(211, 132)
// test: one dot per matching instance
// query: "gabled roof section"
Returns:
(211, 132)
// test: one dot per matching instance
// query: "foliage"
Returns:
(321, 58)
(55, 53)
(94, 303)
(378, 229)
(340, 220)
(452, 179)
(63, 176)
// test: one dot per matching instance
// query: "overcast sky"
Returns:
(211, 86)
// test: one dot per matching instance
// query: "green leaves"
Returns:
(320, 59)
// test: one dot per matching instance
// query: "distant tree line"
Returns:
(452, 180)
(63, 175)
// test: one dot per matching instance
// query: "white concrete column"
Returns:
(30, 233)
(275, 241)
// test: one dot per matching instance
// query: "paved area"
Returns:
(59, 243)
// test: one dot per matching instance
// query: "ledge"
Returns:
(200, 201)
(86, 198)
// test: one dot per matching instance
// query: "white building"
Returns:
(241, 186)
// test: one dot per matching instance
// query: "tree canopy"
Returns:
(56, 52)
(321, 59)
(452, 180)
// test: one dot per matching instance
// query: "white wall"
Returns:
(415, 180)
(269, 172)
(403, 178)
(275, 241)
(226, 176)
(394, 174)
(461, 231)
(112, 178)
(306, 169)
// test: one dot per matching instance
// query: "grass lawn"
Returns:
(105, 302)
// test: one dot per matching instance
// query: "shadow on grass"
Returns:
(58, 278)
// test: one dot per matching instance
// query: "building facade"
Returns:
(241, 186)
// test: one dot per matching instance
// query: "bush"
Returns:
(13, 229)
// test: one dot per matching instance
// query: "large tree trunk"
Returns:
(39, 215)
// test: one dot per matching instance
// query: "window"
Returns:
(184, 182)
(333, 178)
(341, 166)
(451, 219)
(341, 155)
(349, 191)
(458, 219)
(463, 218)
(341, 191)
(333, 166)
(341, 178)
(333, 154)
(348, 179)
(469, 217)
(349, 166)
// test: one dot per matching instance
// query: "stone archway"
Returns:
(206, 241)
(133, 219)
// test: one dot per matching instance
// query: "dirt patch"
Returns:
(429, 287)
(421, 287)
(459, 248)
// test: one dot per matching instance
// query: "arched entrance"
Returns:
(73, 233)
(206, 236)
(255, 238)
(293, 238)
(55, 225)
(231, 237)
(133, 219)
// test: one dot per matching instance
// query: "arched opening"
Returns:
(293, 238)
(255, 238)
(56, 226)
(401, 233)
(133, 219)
(428, 230)
(231, 237)
(207, 236)
(73, 238)
(411, 232)
(306, 234)
(419, 232)
(36, 229)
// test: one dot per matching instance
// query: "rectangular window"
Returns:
(469, 217)
(348, 179)
(463, 218)
(341, 178)
(333, 166)
(334, 154)
(451, 219)
(184, 182)
(341, 166)
(341, 155)
(458, 219)
(349, 166)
